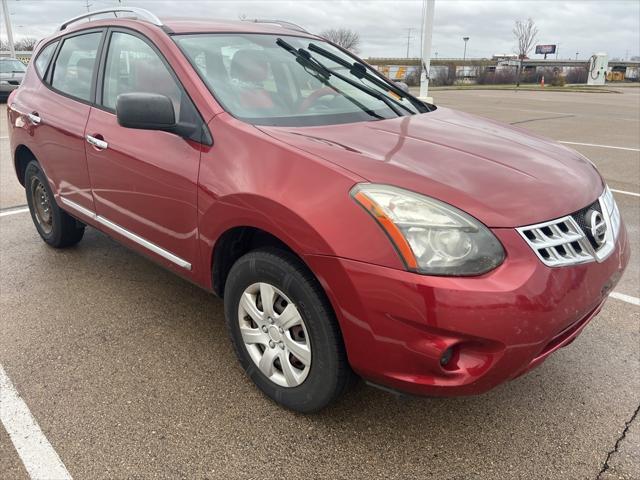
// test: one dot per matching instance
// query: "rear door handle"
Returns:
(34, 118)
(96, 142)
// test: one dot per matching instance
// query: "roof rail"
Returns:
(281, 23)
(140, 14)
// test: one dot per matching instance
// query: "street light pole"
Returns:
(429, 9)
(7, 23)
(464, 55)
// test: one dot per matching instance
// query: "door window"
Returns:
(134, 67)
(74, 66)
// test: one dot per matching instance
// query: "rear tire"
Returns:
(290, 346)
(55, 226)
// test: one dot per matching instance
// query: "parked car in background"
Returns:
(12, 71)
(349, 227)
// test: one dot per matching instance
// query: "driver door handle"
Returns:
(34, 118)
(96, 142)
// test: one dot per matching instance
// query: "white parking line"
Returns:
(14, 211)
(624, 192)
(625, 298)
(35, 451)
(601, 146)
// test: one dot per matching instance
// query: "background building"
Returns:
(500, 69)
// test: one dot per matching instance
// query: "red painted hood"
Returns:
(504, 176)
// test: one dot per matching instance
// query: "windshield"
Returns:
(12, 66)
(259, 81)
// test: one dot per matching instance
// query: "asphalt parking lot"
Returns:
(128, 371)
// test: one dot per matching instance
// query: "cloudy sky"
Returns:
(584, 26)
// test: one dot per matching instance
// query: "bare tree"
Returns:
(26, 44)
(344, 37)
(525, 33)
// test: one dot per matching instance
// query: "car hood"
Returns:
(504, 176)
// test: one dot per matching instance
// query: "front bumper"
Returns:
(397, 325)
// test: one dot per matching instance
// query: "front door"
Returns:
(144, 182)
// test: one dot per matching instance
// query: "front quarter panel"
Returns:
(250, 179)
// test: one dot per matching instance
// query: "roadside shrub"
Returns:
(444, 76)
(558, 81)
(576, 75)
(531, 75)
(496, 77)
(413, 79)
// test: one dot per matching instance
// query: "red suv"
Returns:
(350, 227)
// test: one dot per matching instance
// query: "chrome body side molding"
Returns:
(126, 233)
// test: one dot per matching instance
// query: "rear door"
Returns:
(144, 182)
(60, 112)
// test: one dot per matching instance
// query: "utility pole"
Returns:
(429, 9)
(408, 40)
(557, 50)
(88, 5)
(7, 24)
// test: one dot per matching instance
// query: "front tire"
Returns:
(55, 226)
(284, 331)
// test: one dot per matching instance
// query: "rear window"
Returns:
(44, 57)
(73, 69)
(12, 66)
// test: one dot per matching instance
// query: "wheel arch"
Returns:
(241, 223)
(236, 242)
(21, 158)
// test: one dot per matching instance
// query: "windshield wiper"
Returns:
(359, 70)
(319, 74)
(304, 58)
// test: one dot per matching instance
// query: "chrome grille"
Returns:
(569, 240)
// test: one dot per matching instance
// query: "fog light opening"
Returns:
(446, 357)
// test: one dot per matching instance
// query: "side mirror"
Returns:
(402, 86)
(145, 111)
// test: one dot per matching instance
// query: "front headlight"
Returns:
(432, 237)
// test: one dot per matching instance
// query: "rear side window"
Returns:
(42, 62)
(74, 66)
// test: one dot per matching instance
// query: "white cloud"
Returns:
(586, 26)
